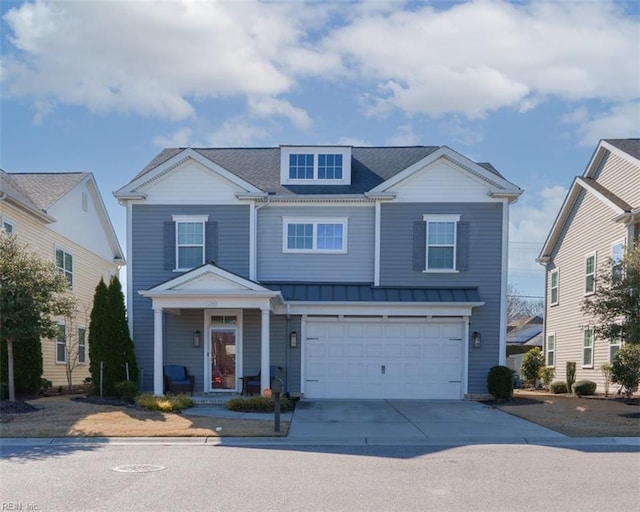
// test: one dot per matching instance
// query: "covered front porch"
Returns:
(220, 326)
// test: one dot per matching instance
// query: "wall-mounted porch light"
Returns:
(476, 339)
(196, 338)
(293, 339)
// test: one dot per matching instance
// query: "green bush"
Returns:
(571, 374)
(126, 389)
(500, 382)
(546, 375)
(558, 387)
(45, 385)
(166, 403)
(531, 364)
(258, 404)
(584, 387)
(625, 369)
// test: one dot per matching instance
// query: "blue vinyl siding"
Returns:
(147, 266)
(354, 266)
(483, 268)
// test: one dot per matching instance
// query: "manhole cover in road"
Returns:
(139, 468)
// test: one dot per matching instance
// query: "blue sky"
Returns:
(528, 86)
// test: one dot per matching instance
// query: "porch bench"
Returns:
(251, 384)
(178, 380)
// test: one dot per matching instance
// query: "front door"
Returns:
(223, 358)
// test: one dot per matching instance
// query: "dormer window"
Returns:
(312, 165)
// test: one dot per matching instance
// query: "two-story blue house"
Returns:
(365, 272)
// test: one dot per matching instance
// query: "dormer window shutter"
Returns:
(462, 249)
(169, 229)
(211, 237)
(419, 245)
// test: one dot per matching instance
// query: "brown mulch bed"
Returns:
(587, 416)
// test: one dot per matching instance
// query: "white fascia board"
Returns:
(476, 171)
(561, 218)
(380, 308)
(188, 154)
(105, 220)
(209, 301)
(40, 214)
(616, 209)
(620, 153)
(342, 198)
(209, 294)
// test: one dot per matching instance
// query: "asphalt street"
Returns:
(194, 476)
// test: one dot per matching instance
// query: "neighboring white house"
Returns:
(61, 216)
(598, 219)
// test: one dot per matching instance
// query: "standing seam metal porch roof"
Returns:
(364, 292)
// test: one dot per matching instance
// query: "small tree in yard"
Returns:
(32, 293)
(625, 369)
(531, 364)
(73, 345)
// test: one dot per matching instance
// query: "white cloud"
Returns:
(269, 107)
(181, 138)
(462, 132)
(404, 137)
(235, 132)
(531, 219)
(621, 121)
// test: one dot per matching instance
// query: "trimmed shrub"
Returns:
(546, 375)
(605, 369)
(558, 387)
(258, 404)
(571, 374)
(531, 364)
(584, 387)
(625, 369)
(500, 382)
(167, 403)
(45, 385)
(127, 390)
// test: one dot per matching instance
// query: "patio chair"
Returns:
(251, 384)
(178, 380)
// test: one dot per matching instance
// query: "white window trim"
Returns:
(546, 347)
(61, 324)
(593, 342)
(344, 221)
(5, 220)
(73, 263)
(202, 219)
(595, 263)
(441, 218)
(86, 352)
(285, 152)
(557, 287)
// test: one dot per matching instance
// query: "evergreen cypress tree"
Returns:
(27, 367)
(123, 349)
(98, 333)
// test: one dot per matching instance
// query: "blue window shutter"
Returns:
(419, 245)
(169, 245)
(462, 247)
(211, 240)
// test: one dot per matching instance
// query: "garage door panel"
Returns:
(347, 359)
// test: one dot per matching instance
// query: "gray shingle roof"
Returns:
(45, 189)
(12, 189)
(629, 146)
(355, 292)
(260, 167)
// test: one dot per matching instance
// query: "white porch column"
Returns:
(265, 356)
(158, 385)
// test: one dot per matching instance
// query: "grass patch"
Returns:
(166, 403)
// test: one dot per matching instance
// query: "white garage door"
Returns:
(383, 359)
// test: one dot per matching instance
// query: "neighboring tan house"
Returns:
(61, 216)
(599, 217)
(365, 272)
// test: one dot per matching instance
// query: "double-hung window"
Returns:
(553, 287)
(551, 350)
(590, 274)
(441, 242)
(64, 262)
(614, 345)
(61, 344)
(82, 345)
(322, 236)
(617, 252)
(587, 348)
(7, 226)
(190, 240)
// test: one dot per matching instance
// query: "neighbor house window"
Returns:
(551, 350)
(441, 242)
(554, 287)
(7, 226)
(617, 252)
(614, 345)
(64, 262)
(61, 344)
(587, 348)
(190, 240)
(590, 274)
(82, 345)
(328, 235)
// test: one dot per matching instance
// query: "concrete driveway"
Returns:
(410, 421)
